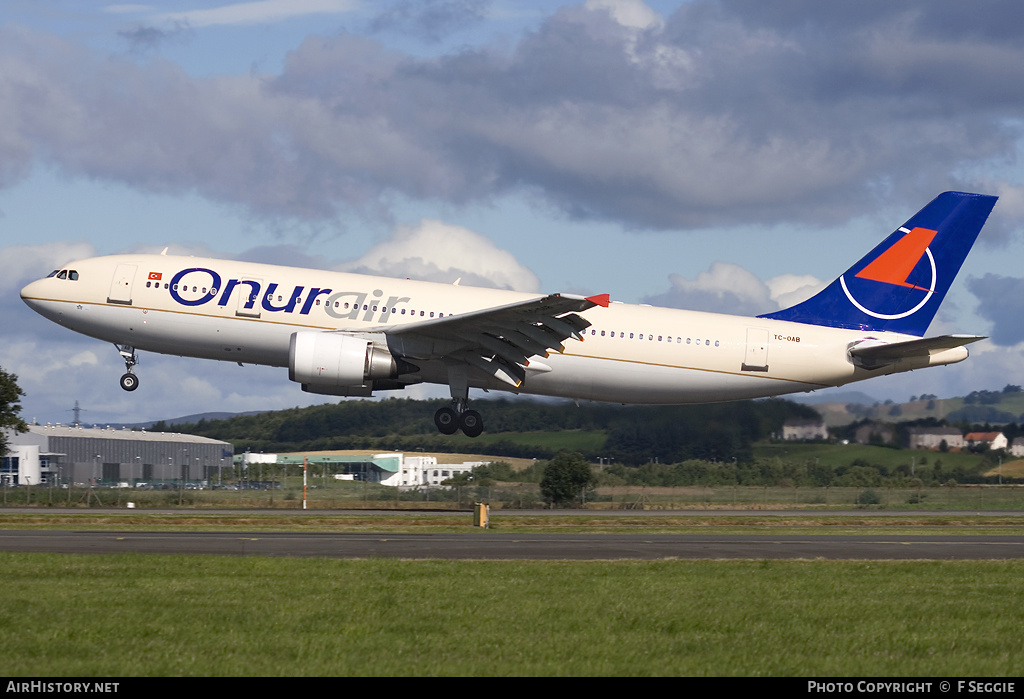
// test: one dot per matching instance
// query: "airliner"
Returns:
(353, 335)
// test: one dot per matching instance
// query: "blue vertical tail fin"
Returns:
(898, 286)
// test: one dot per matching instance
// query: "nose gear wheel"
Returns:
(129, 381)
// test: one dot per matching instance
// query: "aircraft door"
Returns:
(121, 285)
(248, 299)
(756, 357)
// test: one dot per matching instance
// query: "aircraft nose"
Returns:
(32, 293)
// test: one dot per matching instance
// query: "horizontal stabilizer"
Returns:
(871, 354)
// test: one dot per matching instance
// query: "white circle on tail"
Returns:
(895, 316)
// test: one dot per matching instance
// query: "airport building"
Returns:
(392, 468)
(61, 454)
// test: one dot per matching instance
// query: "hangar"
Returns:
(61, 454)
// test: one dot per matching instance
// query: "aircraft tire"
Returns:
(446, 420)
(471, 423)
(129, 382)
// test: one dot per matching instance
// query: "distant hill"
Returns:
(193, 419)
(993, 407)
(521, 428)
(836, 408)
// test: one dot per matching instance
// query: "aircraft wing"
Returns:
(872, 355)
(501, 340)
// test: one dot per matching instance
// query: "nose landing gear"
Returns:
(129, 381)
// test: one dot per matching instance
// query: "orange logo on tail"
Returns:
(895, 264)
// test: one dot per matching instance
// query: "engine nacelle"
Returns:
(338, 360)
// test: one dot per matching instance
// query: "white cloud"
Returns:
(262, 12)
(790, 289)
(38, 363)
(435, 251)
(628, 13)
(723, 278)
(20, 264)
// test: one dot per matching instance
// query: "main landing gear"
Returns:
(459, 417)
(451, 420)
(129, 381)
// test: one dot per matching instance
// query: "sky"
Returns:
(719, 155)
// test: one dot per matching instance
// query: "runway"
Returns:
(485, 545)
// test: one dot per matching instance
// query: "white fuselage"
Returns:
(245, 312)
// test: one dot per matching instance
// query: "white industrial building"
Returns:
(419, 471)
(62, 454)
(391, 468)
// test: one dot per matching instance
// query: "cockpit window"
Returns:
(63, 274)
(52, 274)
(72, 275)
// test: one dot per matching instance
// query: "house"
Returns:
(931, 438)
(993, 440)
(813, 428)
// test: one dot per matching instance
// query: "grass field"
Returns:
(836, 455)
(572, 440)
(151, 615)
(953, 523)
(355, 496)
(129, 615)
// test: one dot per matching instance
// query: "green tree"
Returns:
(10, 408)
(567, 478)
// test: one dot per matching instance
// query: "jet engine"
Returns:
(327, 360)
